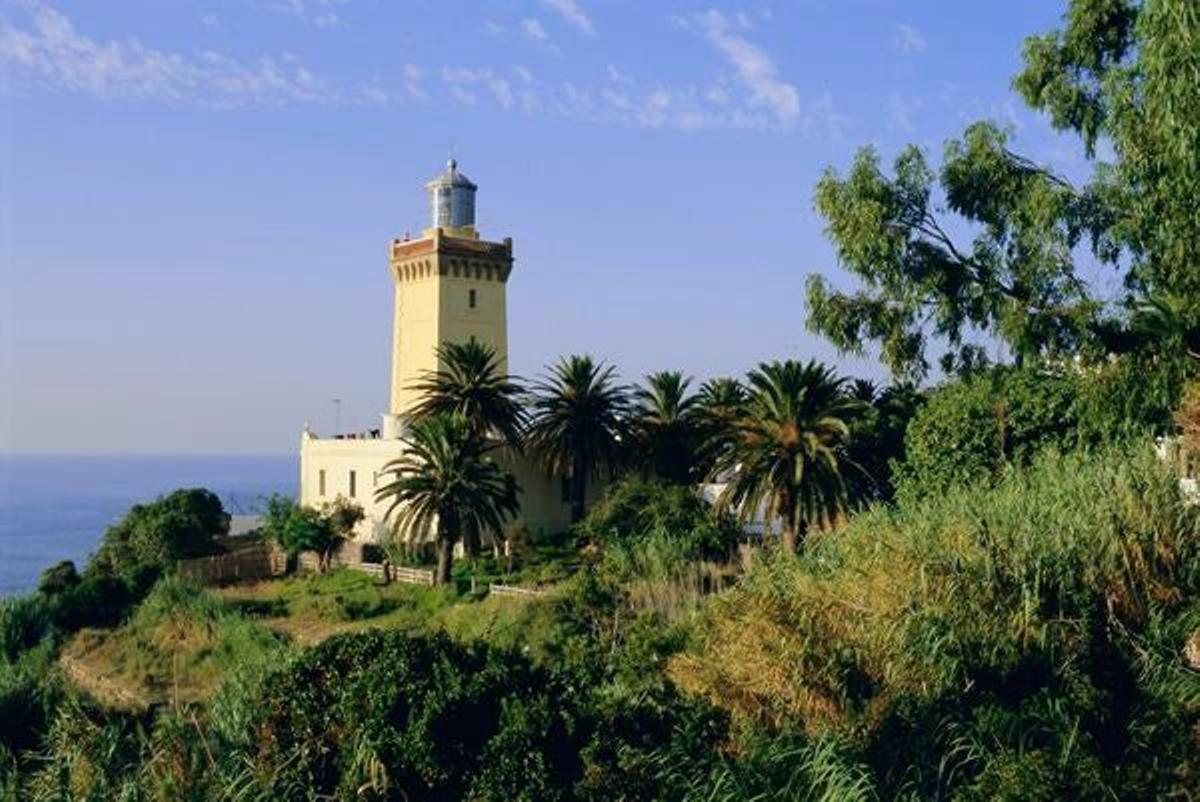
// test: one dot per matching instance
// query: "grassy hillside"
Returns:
(1035, 639)
(182, 642)
(177, 647)
(1037, 630)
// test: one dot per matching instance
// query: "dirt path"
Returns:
(105, 690)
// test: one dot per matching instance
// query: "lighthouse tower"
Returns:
(449, 288)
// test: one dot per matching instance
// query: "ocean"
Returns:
(57, 508)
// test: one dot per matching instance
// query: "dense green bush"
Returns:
(29, 692)
(418, 718)
(24, 622)
(972, 429)
(98, 600)
(975, 428)
(29, 687)
(636, 510)
(1131, 396)
(1021, 641)
(152, 537)
(296, 528)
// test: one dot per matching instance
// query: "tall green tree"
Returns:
(473, 383)
(578, 423)
(1121, 71)
(785, 457)
(665, 426)
(447, 488)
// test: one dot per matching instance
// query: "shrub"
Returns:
(151, 538)
(635, 510)
(29, 692)
(416, 718)
(58, 579)
(296, 528)
(1129, 397)
(1187, 418)
(972, 429)
(98, 600)
(1048, 614)
(24, 622)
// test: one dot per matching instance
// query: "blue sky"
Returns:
(196, 197)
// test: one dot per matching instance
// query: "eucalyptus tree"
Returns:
(665, 426)
(578, 423)
(785, 455)
(1115, 74)
(446, 488)
(472, 382)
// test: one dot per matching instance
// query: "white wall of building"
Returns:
(337, 461)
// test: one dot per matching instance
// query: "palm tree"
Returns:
(665, 426)
(577, 423)
(719, 404)
(863, 390)
(1169, 321)
(447, 488)
(473, 384)
(785, 452)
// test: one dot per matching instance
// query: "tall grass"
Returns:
(660, 575)
(1042, 620)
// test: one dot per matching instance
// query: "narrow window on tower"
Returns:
(353, 483)
(321, 482)
(471, 299)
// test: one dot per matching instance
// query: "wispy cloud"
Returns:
(51, 52)
(412, 77)
(534, 31)
(41, 47)
(463, 81)
(573, 13)
(902, 110)
(755, 68)
(322, 13)
(822, 113)
(909, 40)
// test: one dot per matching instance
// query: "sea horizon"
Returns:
(57, 506)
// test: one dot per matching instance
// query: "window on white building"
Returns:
(353, 483)
(321, 482)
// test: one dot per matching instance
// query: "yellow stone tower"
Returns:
(449, 287)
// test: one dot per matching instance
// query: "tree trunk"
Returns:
(787, 511)
(445, 554)
(788, 539)
(578, 492)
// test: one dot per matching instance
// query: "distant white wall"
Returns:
(543, 509)
(337, 460)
